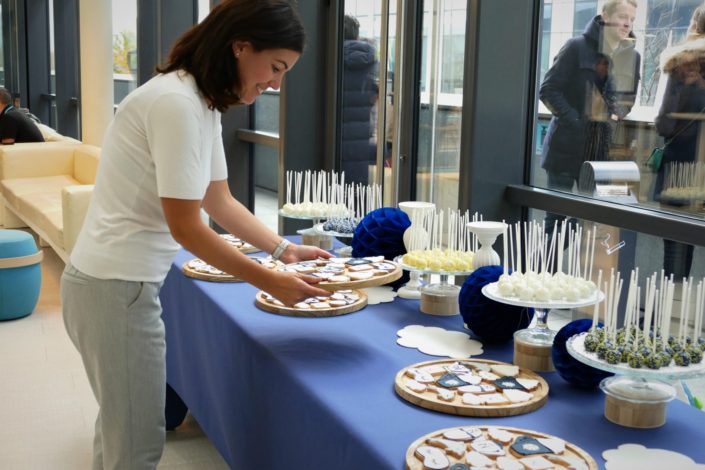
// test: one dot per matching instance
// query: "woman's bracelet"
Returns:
(281, 247)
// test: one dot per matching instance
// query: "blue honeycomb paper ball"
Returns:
(571, 370)
(381, 233)
(491, 321)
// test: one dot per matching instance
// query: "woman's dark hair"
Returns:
(205, 51)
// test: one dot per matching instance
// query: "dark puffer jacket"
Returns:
(681, 97)
(580, 72)
(359, 97)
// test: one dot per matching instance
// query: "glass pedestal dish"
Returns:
(310, 236)
(343, 250)
(438, 298)
(635, 398)
(532, 346)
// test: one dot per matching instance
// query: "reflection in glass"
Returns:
(441, 102)
(636, 250)
(2, 51)
(367, 91)
(608, 104)
(124, 48)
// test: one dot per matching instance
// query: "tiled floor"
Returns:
(47, 409)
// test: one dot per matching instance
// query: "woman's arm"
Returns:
(238, 220)
(187, 228)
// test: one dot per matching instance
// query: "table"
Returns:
(276, 392)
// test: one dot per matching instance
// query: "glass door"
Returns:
(440, 102)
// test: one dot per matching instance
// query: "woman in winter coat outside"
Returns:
(684, 65)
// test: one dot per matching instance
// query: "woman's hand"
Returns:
(291, 288)
(295, 253)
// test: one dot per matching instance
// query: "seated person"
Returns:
(15, 126)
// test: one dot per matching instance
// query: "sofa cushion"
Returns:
(39, 200)
(13, 190)
(44, 211)
(36, 159)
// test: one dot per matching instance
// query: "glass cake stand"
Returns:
(317, 239)
(439, 298)
(343, 250)
(634, 397)
(540, 334)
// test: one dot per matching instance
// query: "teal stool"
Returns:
(20, 274)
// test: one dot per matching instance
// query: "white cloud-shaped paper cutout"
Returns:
(436, 341)
(378, 295)
(638, 457)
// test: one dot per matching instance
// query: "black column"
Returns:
(67, 65)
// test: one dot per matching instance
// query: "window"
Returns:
(124, 48)
(442, 66)
(609, 110)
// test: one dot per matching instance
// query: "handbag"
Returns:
(656, 157)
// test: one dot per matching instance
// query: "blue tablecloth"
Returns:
(277, 392)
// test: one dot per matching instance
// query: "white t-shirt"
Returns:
(162, 142)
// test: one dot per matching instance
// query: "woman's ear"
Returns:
(239, 46)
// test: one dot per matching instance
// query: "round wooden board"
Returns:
(223, 277)
(571, 450)
(323, 312)
(428, 399)
(374, 281)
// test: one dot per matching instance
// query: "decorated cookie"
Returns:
(527, 445)
(453, 448)
(500, 435)
(506, 370)
(487, 447)
(433, 458)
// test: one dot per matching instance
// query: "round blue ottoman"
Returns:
(20, 274)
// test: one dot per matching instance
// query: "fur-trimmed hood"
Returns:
(693, 49)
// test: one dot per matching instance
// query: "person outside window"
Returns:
(684, 65)
(162, 160)
(590, 87)
(360, 90)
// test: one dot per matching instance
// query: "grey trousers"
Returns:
(117, 328)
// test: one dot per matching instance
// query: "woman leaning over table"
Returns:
(162, 160)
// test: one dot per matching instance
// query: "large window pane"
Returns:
(647, 253)
(441, 102)
(610, 100)
(124, 48)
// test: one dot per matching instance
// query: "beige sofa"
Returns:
(47, 187)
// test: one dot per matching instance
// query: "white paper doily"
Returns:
(381, 294)
(638, 457)
(436, 341)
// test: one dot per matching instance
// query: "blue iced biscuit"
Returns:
(450, 381)
(527, 445)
